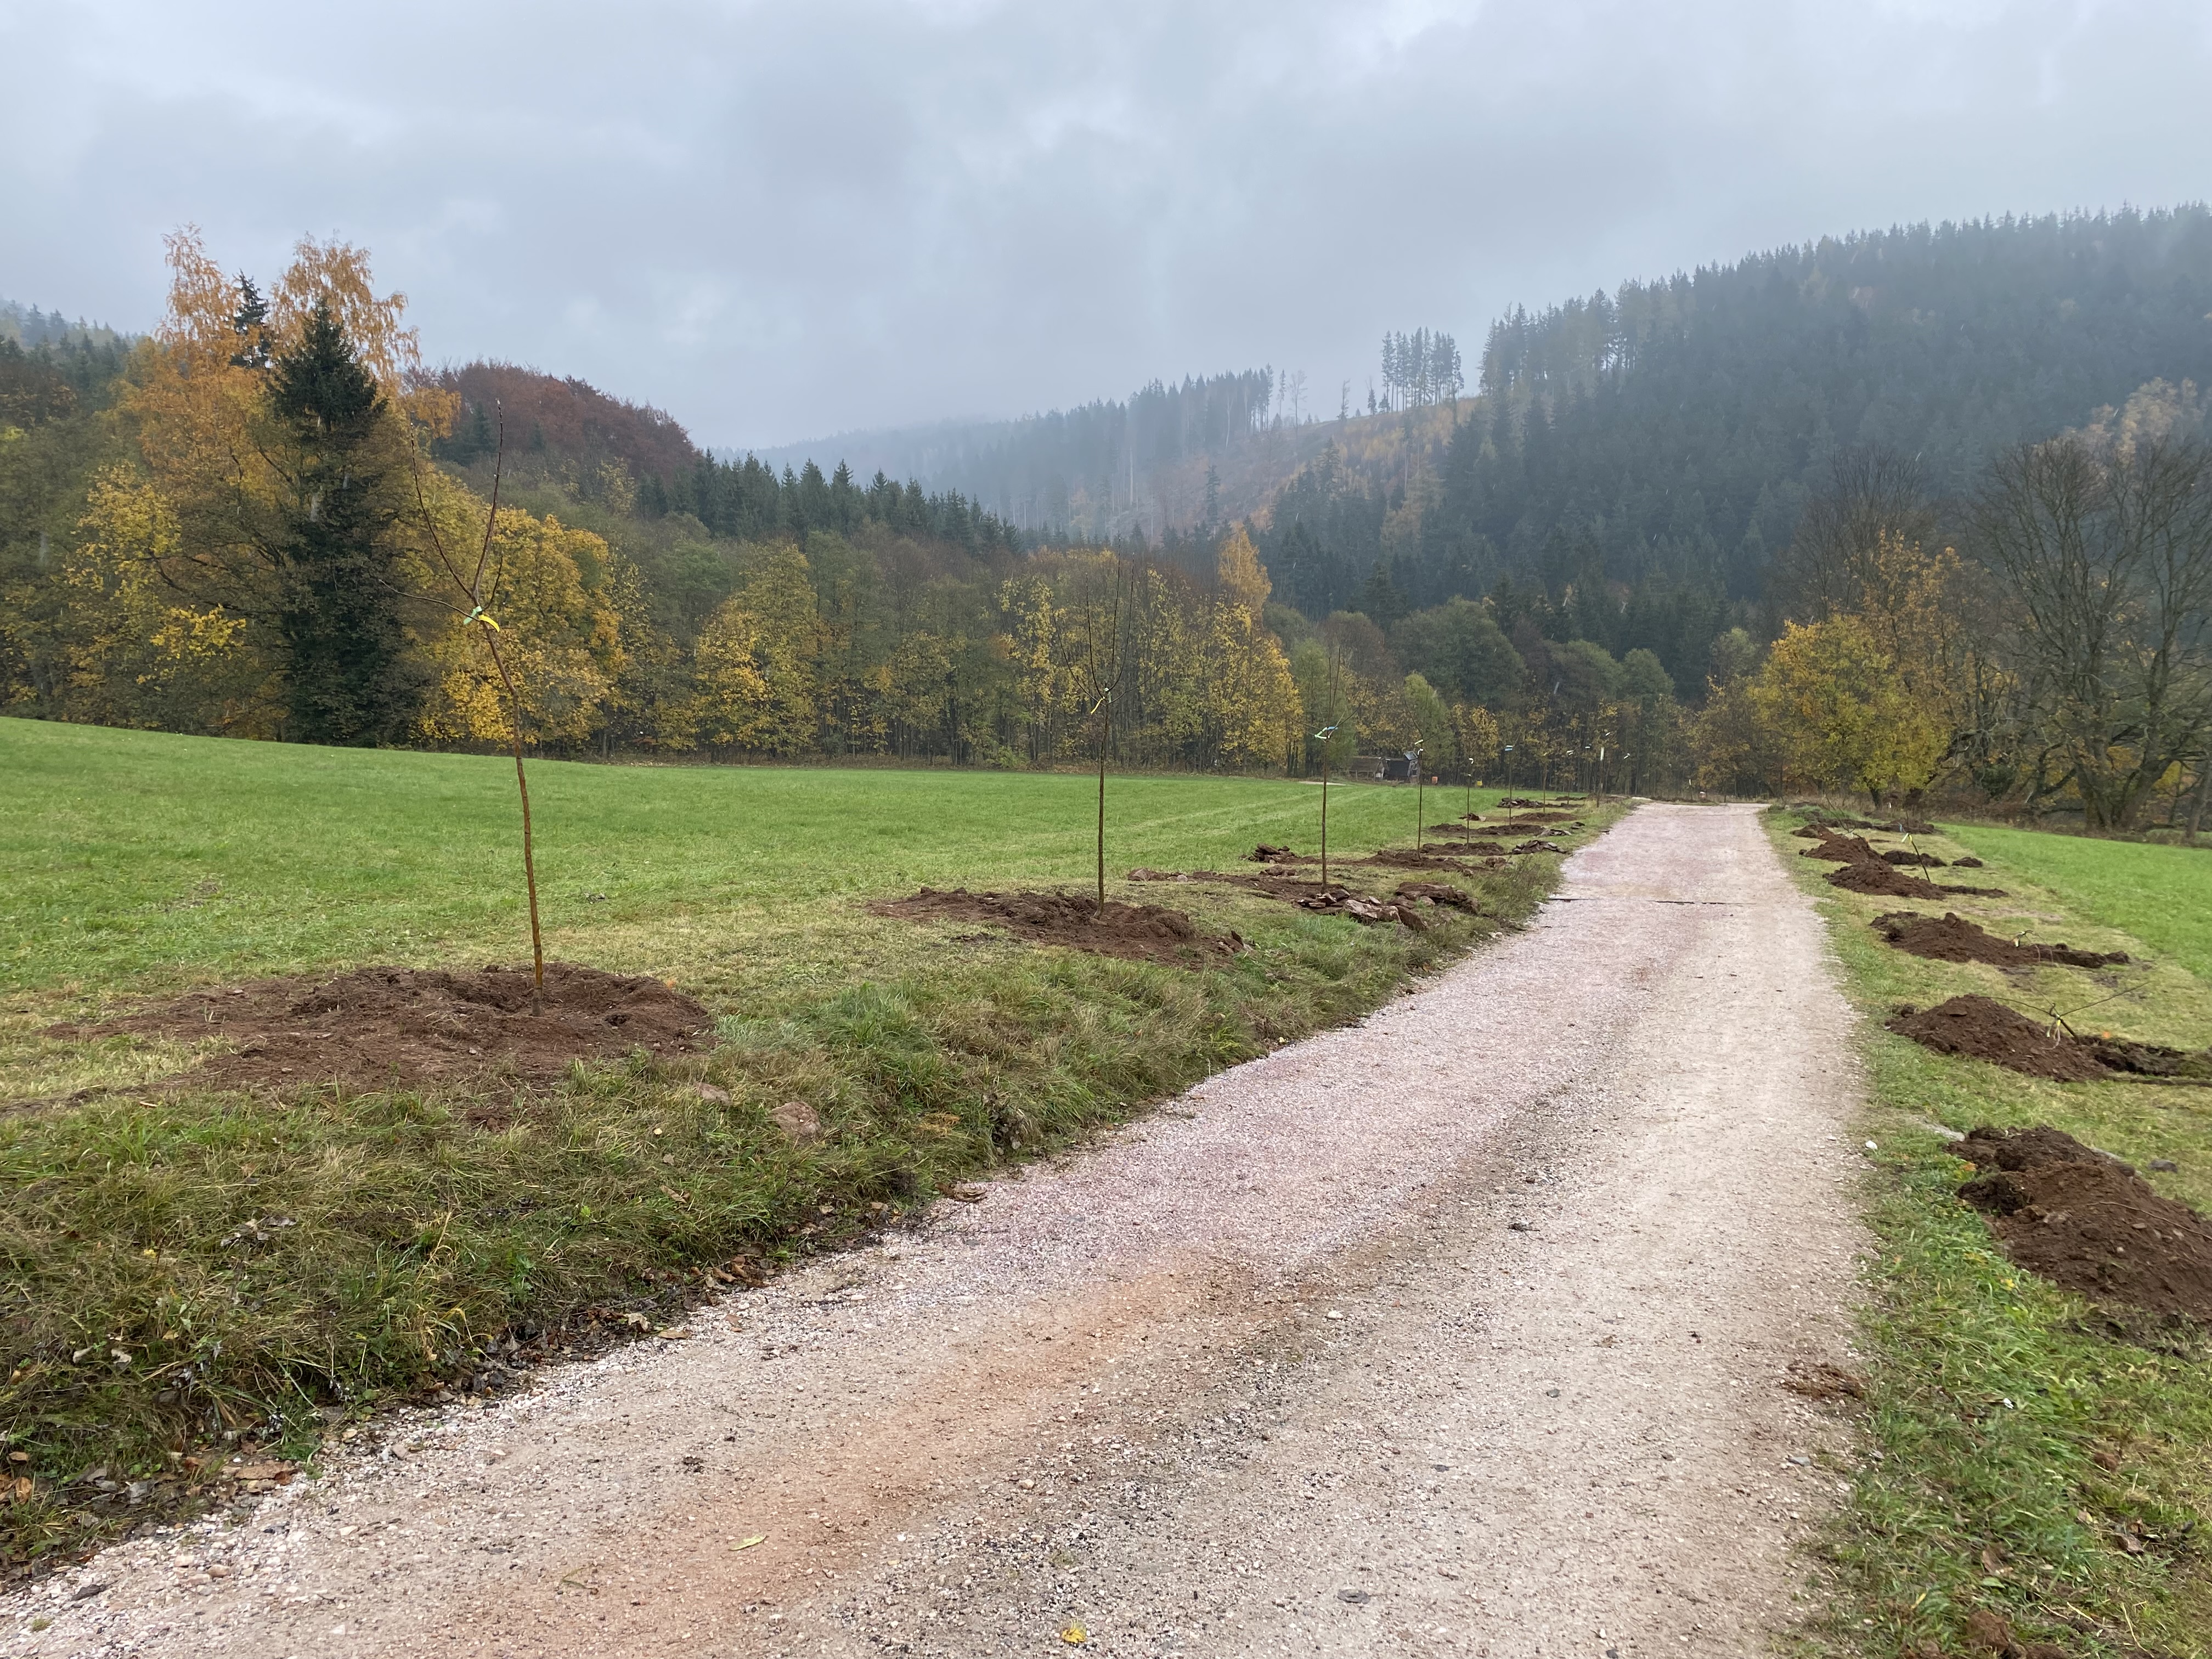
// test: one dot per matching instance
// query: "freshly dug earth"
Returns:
(1887, 881)
(1399, 858)
(1978, 1028)
(1898, 856)
(1405, 857)
(400, 1027)
(1842, 849)
(1331, 899)
(1953, 939)
(2089, 1222)
(1438, 892)
(2146, 1059)
(1136, 933)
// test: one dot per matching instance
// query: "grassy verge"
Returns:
(196, 1277)
(2027, 1460)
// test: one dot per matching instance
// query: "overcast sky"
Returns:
(780, 221)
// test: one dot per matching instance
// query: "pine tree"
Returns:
(348, 676)
(252, 327)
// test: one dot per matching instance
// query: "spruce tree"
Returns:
(347, 675)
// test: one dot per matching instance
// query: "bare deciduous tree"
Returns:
(1872, 493)
(2106, 552)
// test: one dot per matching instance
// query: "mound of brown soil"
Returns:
(1544, 817)
(1979, 1029)
(1898, 855)
(1842, 849)
(1263, 853)
(1887, 881)
(1136, 933)
(1540, 846)
(1966, 864)
(400, 1027)
(2146, 1059)
(2089, 1222)
(1405, 857)
(1438, 892)
(1953, 939)
(1333, 899)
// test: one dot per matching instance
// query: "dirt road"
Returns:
(1463, 1331)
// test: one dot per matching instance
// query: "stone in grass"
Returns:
(798, 1122)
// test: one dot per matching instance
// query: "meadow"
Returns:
(2161, 895)
(2024, 1455)
(201, 1274)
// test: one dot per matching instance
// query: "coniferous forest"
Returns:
(1665, 522)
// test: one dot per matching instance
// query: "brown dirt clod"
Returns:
(1135, 933)
(1898, 856)
(2089, 1222)
(1819, 1380)
(400, 1027)
(1951, 938)
(1979, 1028)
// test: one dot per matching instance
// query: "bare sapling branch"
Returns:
(471, 588)
(1104, 666)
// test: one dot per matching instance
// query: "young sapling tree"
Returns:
(1323, 738)
(1102, 667)
(469, 590)
(1413, 760)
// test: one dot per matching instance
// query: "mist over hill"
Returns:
(1668, 430)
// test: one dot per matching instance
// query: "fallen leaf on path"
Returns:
(966, 1195)
(747, 1543)
(270, 1471)
(674, 1334)
(1075, 1635)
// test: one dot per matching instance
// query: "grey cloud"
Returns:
(778, 220)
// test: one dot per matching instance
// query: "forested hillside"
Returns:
(1703, 526)
(249, 524)
(1670, 433)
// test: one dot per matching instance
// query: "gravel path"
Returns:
(1466, 1330)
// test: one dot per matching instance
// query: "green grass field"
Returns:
(2161, 894)
(138, 859)
(2018, 1437)
(418, 1227)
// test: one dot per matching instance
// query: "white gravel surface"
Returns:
(1461, 1331)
